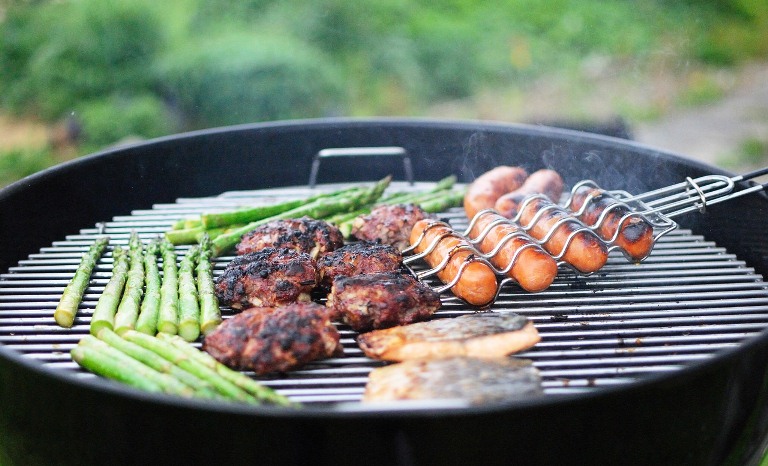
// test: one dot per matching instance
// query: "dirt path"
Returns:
(715, 132)
(21, 133)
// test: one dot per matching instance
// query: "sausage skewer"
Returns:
(545, 181)
(562, 234)
(490, 186)
(512, 251)
(454, 261)
(612, 220)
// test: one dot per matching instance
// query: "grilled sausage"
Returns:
(586, 252)
(635, 234)
(545, 181)
(477, 283)
(491, 185)
(533, 268)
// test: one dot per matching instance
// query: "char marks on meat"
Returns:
(314, 237)
(358, 258)
(269, 277)
(472, 380)
(483, 335)
(279, 339)
(380, 300)
(389, 224)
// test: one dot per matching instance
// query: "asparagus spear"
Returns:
(193, 235)
(73, 292)
(318, 209)
(417, 197)
(128, 310)
(168, 315)
(158, 363)
(210, 314)
(251, 214)
(104, 313)
(187, 223)
(189, 306)
(185, 235)
(150, 305)
(253, 387)
(439, 204)
(100, 358)
(428, 201)
(177, 356)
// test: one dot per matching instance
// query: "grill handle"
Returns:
(386, 151)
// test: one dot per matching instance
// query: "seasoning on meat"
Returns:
(278, 339)
(357, 258)
(472, 380)
(389, 224)
(269, 277)
(482, 335)
(305, 234)
(380, 300)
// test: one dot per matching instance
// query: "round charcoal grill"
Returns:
(661, 362)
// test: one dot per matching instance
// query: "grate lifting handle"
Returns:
(393, 151)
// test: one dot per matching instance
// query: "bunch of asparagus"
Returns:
(340, 207)
(136, 297)
(168, 364)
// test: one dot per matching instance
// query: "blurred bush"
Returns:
(242, 77)
(57, 54)
(143, 68)
(109, 120)
(18, 163)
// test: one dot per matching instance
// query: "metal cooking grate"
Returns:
(687, 301)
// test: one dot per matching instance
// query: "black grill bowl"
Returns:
(712, 412)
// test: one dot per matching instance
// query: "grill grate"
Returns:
(683, 304)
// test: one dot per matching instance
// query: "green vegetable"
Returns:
(150, 304)
(158, 363)
(128, 310)
(182, 359)
(210, 314)
(189, 306)
(104, 313)
(73, 292)
(320, 208)
(260, 391)
(168, 314)
(252, 214)
(102, 359)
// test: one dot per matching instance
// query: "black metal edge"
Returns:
(661, 382)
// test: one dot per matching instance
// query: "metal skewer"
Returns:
(657, 207)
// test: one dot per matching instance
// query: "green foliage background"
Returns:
(126, 68)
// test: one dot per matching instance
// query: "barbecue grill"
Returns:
(661, 362)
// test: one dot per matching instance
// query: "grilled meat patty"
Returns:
(357, 258)
(314, 237)
(389, 224)
(380, 300)
(483, 335)
(274, 339)
(473, 380)
(269, 277)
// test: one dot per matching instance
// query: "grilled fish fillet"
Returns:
(482, 335)
(473, 380)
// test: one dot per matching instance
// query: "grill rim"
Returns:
(660, 380)
(342, 409)
(726, 366)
